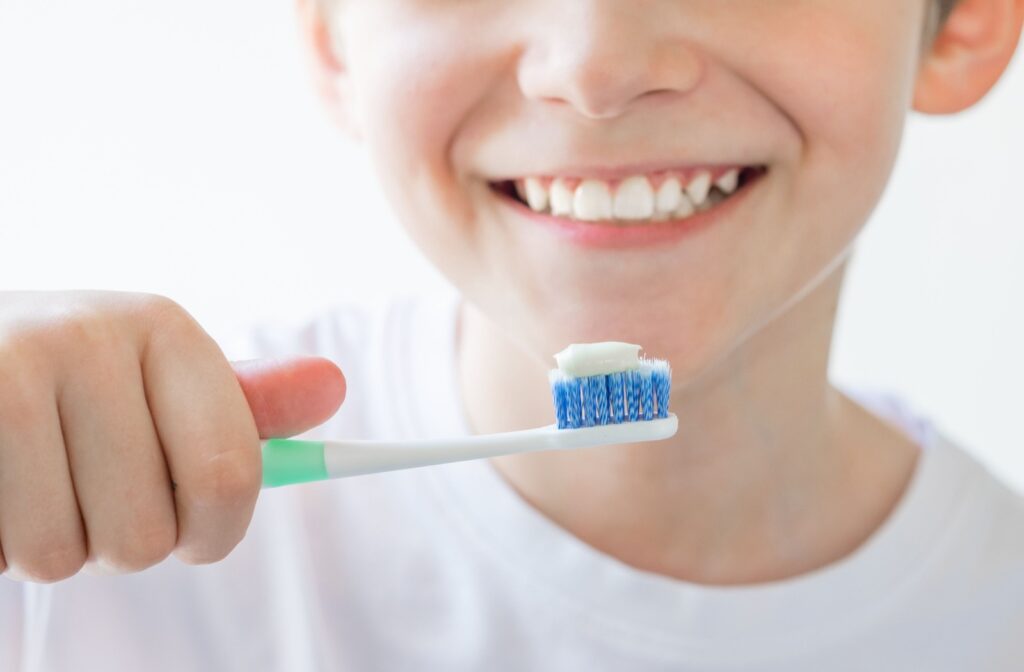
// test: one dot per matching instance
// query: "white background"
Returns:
(178, 148)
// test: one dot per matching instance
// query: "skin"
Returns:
(774, 472)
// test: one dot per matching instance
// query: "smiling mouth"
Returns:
(664, 196)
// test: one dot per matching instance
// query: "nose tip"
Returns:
(606, 95)
(600, 94)
(594, 95)
(602, 79)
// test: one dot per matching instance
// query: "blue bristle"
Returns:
(559, 392)
(632, 397)
(629, 396)
(575, 414)
(597, 393)
(615, 390)
(589, 412)
(567, 393)
(646, 393)
(662, 379)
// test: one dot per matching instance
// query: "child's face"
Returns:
(455, 97)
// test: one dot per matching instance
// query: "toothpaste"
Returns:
(593, 359)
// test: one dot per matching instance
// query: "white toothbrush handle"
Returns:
(287, 461)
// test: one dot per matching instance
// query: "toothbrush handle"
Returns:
(289, 461)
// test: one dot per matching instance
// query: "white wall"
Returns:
(178, 148)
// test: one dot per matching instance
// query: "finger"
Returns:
(289, 396)
(209, 438)
(123, 487)
(41, 528)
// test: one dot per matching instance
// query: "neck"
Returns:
(773, 472)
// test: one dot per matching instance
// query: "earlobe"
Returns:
(325, 58)
(969, 55)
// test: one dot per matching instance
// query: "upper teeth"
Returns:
(729, 181)
(636, 198)
(561, 198)
(536, 195)
(593, 201)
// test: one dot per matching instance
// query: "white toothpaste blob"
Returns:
(593, 359)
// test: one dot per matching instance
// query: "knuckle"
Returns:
(165, 315)
(62, 329)
(49, 564)
(156, 305)
(24, 404)
(191, 556)
(209, 552)
(87, 327)
(22, 411)
(204, 556)
(139, 548)
(73, 335)
(15, 345)
(21, 359)
(229, 478)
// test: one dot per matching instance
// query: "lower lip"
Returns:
(603, 235)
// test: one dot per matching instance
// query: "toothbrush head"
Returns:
(633, 390)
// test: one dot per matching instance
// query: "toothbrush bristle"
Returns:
(628, 396)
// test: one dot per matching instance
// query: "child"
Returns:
(685, 175)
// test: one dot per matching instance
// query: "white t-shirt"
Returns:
(447, 568)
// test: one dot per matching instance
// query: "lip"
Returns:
(611, 236)
(618, 173)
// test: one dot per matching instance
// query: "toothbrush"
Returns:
(604, 393)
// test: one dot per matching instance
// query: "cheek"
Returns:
(848, 89)
(415, 93)
(845, 81)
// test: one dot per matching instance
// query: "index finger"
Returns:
(208, 435)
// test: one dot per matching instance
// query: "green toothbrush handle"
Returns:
(290, 461)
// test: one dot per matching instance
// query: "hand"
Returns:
(125, 434)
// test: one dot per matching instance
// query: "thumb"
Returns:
(290, 395)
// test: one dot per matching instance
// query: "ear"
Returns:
(968, 55)
(325, 58)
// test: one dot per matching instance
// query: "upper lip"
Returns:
(618, 172)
